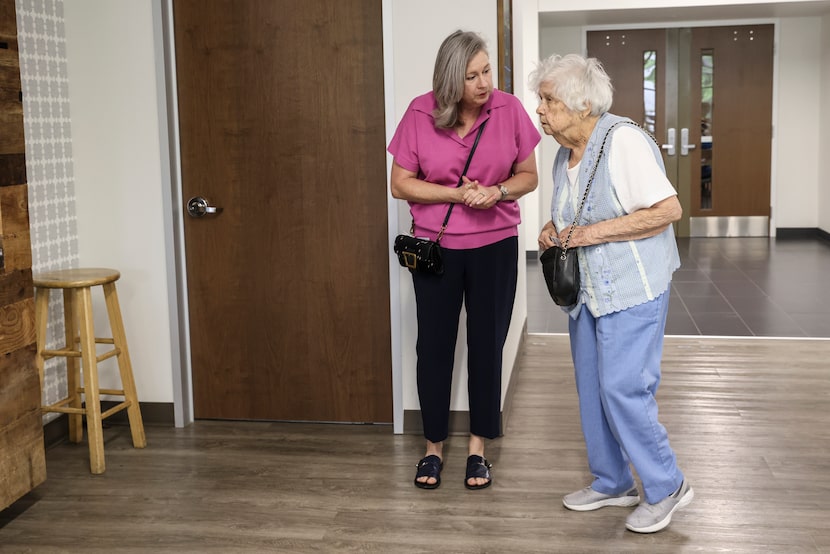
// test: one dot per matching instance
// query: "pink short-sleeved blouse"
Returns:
(438, 156)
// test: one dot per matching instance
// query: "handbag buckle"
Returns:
(410, 259)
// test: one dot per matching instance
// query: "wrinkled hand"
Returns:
(478, 196)
(548, 237)
(579, 237)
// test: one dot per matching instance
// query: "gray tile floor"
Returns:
(728, 287)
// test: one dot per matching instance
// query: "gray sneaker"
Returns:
(588, 499)
(650, 518)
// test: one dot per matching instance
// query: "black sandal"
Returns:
(478, 467)
(429, 466)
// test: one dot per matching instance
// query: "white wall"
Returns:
(118, 175)
(558, 40)
(797, 126)
(526, 39)
(823, 203)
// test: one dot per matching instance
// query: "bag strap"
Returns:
(591, 180)
(460, 181)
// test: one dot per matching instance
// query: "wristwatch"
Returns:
(504, 192)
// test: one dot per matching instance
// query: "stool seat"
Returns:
(81, 345)
(75, 278)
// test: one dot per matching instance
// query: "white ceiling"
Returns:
(685, 14)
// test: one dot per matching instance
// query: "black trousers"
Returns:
(484, 280)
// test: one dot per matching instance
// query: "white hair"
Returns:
(578, 82)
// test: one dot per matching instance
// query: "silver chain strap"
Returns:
(591, 180)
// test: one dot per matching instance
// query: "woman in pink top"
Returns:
(480, 245)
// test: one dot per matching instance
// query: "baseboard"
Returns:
(152, 413)
(801, 233)
(460, 419)
(56, 431)
(459, 422)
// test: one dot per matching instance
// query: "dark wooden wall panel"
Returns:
(14, 228)
(22, 459)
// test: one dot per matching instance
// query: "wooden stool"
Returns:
(78, 319)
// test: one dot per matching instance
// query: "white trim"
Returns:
(392, 223)
(773, 177)
(174, 225)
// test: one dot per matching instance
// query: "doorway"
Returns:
(281, 123)
(706, 95)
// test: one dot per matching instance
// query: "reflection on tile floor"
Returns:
(728, 287)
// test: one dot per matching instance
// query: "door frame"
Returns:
(167, 95)
(775, 72)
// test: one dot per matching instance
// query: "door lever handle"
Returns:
(199, 206)
(684, 142)
(671, 138)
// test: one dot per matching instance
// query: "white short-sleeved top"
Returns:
(638, 180)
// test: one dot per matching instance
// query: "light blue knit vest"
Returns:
(615, 275)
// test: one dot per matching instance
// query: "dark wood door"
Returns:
(733, 160)
(282, 126)
(714, 83)
(633, 58)
(642, 64)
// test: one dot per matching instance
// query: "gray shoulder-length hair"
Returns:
(578, 82)
(450, 71)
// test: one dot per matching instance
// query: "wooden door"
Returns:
(714, 94)
(282, 127)
(642, 64)
(734, 155)
(631, 58)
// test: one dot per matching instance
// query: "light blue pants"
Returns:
(617, 365)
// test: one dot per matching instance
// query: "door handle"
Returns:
(684, 142)
(671, 137)
(199, 207)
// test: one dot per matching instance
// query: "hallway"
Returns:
(742, 287)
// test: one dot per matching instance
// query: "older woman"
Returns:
(627, 253)
(480, 244)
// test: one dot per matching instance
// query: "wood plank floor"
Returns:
(749, 419)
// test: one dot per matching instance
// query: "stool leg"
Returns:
(90, 368)
(124, 365)
(41, 320)
(73, 378)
